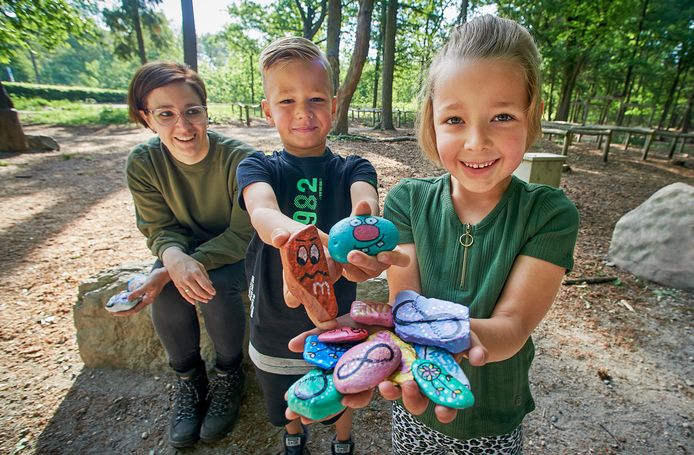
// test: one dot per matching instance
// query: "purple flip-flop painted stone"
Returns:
(431, 322)
(323, 355)
(365, 365)
(343, 335)
(371, 313)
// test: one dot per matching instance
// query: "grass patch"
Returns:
(45, 112)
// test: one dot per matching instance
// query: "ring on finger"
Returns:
(187, 290)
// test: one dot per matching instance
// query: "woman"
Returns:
(183, 184)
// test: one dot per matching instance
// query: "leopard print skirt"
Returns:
(411, 437)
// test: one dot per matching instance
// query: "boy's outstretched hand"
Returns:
(360, 266)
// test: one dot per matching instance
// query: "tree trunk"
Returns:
(687, 117)
(332, 46)
(462, 16)
(671, 91)
(388, 66)
(626, 89)
(310, 28)
(571, 73)
(379, 52)
(356, 65)
(12, 137)
(251, 70)
(37, 76)
(190, 48)
(134, 8)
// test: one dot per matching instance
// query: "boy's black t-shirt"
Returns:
(313, 190)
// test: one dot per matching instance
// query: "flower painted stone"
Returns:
(365, 365)
(441, 387)
(371, 313)
(343, 335)
(307, 275)
(120, 302)
(431, 322)
(409, 355)
(321, 354)
(444, 359)
(314, 396)
(366, 233)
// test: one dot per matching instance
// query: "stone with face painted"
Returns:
(307, 274)
(366, 233)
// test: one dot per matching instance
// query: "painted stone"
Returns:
(120, 302)
(365, 365)
(371, 313)
(314, 395)
(321, 354)
(343, 335)
(404, 373)
(444, 359)
(307, 275)
(366, 233)
(441, 387)
(431, 322)
(136, 281)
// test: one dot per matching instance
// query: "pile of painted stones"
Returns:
(349, 360)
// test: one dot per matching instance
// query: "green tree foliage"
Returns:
(136, 26)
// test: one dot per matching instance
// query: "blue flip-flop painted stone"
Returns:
(314, 395)
(431, 322)
(440, 387)
(444, 359)
(120, 302)
(366, 233)
(323, 355)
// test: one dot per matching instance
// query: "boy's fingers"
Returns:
(296, 344)
(279, 237)
(362, 208)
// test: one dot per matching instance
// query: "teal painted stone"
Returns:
(323, 355)
(314, 395)
(431, 322)
(441, 387)
(444, 359)
(366, 233)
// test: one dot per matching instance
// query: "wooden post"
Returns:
(248, 117)
(673, 145)
(606, 149)
(647, 145)
(626, 142)
(398, 113)
(240, 112)
(567, 143)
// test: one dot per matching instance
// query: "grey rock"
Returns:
(108, 341)
(655, 241)
(42, 143)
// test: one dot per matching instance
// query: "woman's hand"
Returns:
(189, 276)
(148, 291)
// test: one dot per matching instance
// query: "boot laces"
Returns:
(187, 400)
(222, 390)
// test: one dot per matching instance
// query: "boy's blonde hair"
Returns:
(292, 48)
(486, 37)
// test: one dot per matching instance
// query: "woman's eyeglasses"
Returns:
(165, 116)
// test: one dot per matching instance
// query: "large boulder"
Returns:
(655, 241)
(107, 341)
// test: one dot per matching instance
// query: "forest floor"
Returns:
(614, 369)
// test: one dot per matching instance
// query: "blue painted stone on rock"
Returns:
(366, 233)
(366, 365)
(314, 395)
(444, 359)
(120, 302)
(431, 322)
(323, 355)
(439, 386)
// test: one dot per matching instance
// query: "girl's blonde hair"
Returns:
(486, 37)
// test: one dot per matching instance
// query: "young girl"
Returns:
(479, 236)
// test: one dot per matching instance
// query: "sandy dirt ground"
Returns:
(614, 366)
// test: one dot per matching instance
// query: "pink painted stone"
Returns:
(372, 313)
(366, 365)
(409, 355)
(343, 335)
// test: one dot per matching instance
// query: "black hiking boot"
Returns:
(189, 403)
(224, 398)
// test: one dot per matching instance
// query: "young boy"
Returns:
(305, 183)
